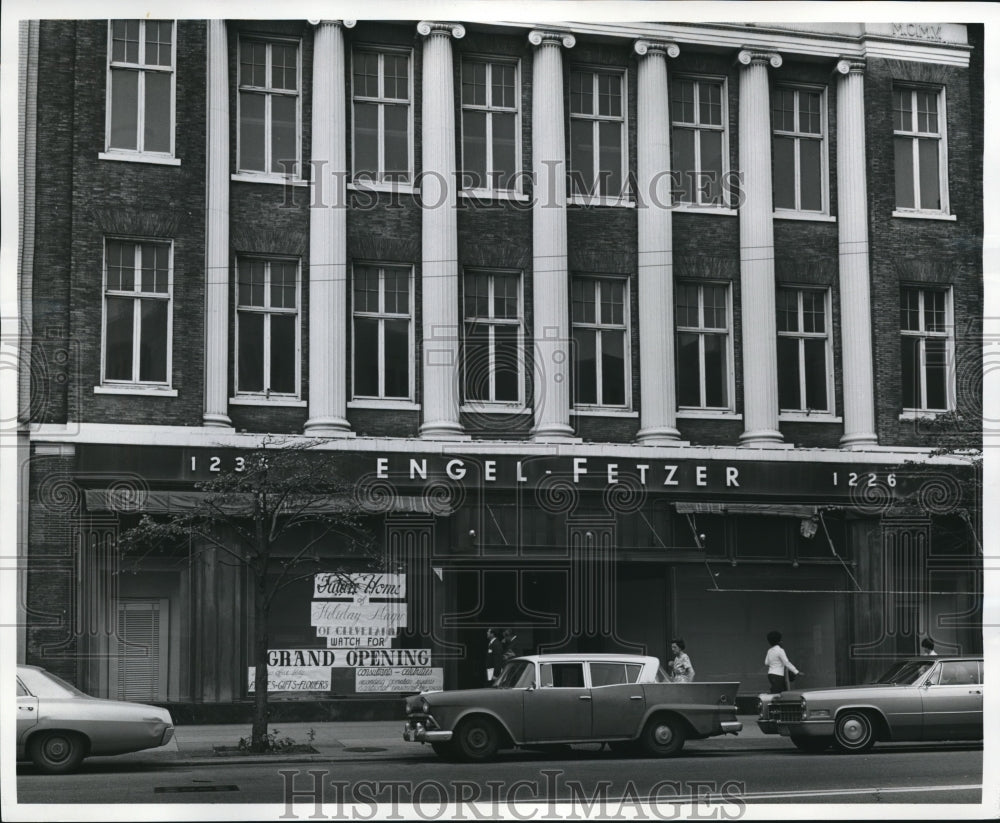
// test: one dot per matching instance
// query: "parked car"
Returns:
(917, 699)
(557, 699)
(58, 725)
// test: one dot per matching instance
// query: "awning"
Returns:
(135, 501)
(779, 509)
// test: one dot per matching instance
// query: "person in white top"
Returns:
(778, 664)
(927, 647)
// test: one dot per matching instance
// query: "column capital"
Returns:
(347, 24)
(550, 37)
(748, 57)
(644, 47)
(850, 65)
(429, 28)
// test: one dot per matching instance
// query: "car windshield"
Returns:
(517, 674)
(905, 674)
(44, 684)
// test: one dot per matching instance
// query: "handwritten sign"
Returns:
(361, 587)
(358, 615)
(365, 633)
(293, 679)
(398, 679)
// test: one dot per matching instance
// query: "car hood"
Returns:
(458, 697)
(835, 692)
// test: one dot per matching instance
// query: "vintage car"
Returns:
(917, 699)
(58, 725)
(545, 700)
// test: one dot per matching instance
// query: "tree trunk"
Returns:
(258, 733)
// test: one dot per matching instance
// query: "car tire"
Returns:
(811, 745)
(663, 736)
(477, 739)
(854, 732)
(622, 746)
(444, 750)
(57, 752)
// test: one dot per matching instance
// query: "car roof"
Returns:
(596, 656)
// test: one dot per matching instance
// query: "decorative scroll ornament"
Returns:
(429, 27)
(540, 36)
(847, 65)
(748, 56)
(347, 24)
(644, 47)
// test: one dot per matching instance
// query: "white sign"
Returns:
(360, 586)
(335, 642)
(366, 633)
(352, 658)
(398, 679)
(293, 679)
(301, 657)
(332, 613)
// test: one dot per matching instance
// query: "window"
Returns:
(562, 675)
(383, 339)
(919, 143)
(267, 327)
(702, 317)
(137, 312)
(489, 125)
(140, 108)
(600, 341)
(269, 107)
(597, 133)
(926, 329)
(803, 350)
(698, 139)
(381, 137)
(798, 149)
(493, 337)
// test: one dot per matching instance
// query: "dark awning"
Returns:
(779, 509)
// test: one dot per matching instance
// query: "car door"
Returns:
(27, 711)
(560, 708)
(617, 704)
(952, 698)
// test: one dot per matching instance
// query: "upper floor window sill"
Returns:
(370, 185)
(495, 408)
(487, 194)
(383, 403)
(816, 217)
(139, 157)
(271, 179)
(913, 214)
(694, 208)
(263, 400)
(804, 417)
(588, 200)
(135, 388)
(921, 414)
(709, 414)
(598, 411)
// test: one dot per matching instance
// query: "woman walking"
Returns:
(778, 664)
(681, 670)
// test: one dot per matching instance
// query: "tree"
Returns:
(282, 496)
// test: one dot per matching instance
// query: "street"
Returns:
(592, 781)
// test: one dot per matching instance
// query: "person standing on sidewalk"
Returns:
(778, 664)
(494, 656)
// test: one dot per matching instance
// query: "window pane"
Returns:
(284, 147)
(476, 360)
(159, 36)
(397, 71)
(397, 157)
(365, 289)
(910, 361)
(365, 74)
(810, 120)
(474, 84)
(397, 358)
(476, 295)
(936, 356)
(124, 109)
(715, 307)
(682, 101)
(474, 148)
(397, 291)
(904, 172)
(788, 315)
(283, 285)
(581, 156)
(683, 151)
(157, 125)
(504, 86)
(711, 164)
(613, 368)
(585, 374)
(253, 64)
(581, 93)
(612, 301)
(909, 309)
(506, 363)
(118, 347)
(584, 307)
(611, 159)
(716, 376)
(121, 49)
(252, 131)
(366, 140)
(504, 150)
(815, 353)
(284, 63)
(930, 183)
(121, 266)
(810, 175)
(783, 175)
(283, 353)
(789, 396)
(505, 298)
(710, 104)
(250, 365)
(688, 370)
(902, 116)
(814, 311)
(934, 312)
(366, 363)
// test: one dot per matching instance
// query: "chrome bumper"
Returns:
(419, 734)
(731, 726)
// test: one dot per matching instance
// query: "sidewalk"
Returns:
(363, 740)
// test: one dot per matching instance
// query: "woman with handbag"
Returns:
(681, 670)
(778, 665)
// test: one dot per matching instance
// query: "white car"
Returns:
(58, 725)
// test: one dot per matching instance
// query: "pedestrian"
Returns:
(927, 647)
(778, 665)
(507, 643)
(494, 656)
(681, 670)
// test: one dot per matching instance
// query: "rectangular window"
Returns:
(698, 139)
(383, 332)
(490, 125)
(382, 145)
(267, 327)
(804, 351)
(269, 107)
(798, 123)
(600, 342)
(494, 337)
(918, 124)
(703, 342)
(140, 97)
(138, 280)
(926, 348)
(597, 133)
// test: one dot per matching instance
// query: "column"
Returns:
(217, 231)
(328, 238)
(658, 423)
(760, 367)
(439, 236)
(550, 268)
(852, 218)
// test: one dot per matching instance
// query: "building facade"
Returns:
(623, 332)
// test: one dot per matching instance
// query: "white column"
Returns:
(217, 230)
(328, 239)
(658, 423)
(550, 268)
(852, 219)
(760, 367)
(439, 236)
